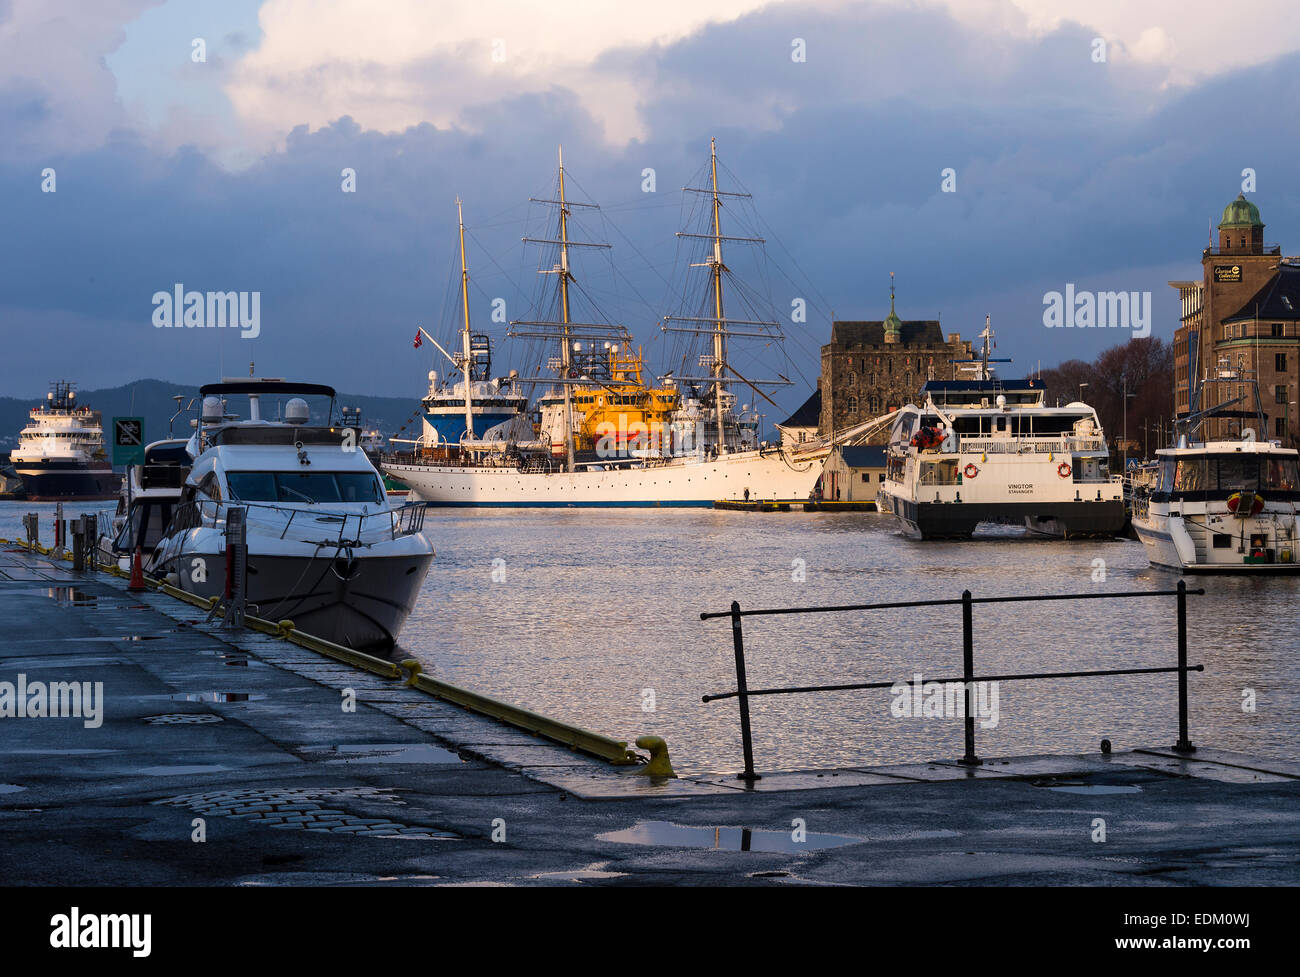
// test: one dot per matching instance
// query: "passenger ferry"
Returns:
(987, 450)
(1222, 507)
(60, 455)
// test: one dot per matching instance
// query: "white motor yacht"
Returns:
(326, 549)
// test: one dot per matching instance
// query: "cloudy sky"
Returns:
(224, 172)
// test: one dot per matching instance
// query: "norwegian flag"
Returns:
(419, 339)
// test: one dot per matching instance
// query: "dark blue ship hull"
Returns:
(53, 481)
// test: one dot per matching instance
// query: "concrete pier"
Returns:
(248, 742)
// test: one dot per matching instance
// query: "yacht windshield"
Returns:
(304, 487)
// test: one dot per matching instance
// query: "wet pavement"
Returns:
(294, 769)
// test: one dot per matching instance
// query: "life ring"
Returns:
(1063, 469)
(970, 471)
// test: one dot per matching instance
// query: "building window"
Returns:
(853, 405)
(874, 404)
(1277, 330)
(866, 476)
(1279, 394)
(1279, 427)
(853, 377)
(1279, 362)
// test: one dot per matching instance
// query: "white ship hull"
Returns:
(752, 475)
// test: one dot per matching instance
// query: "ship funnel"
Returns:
(296, 411)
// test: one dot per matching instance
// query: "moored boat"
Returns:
(325, 548)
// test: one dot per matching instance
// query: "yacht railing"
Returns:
(307, 524)
(1017, 445)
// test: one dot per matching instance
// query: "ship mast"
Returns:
(465, 340)
(566, 330)
(566, 351)
(719, 332)
(718, 325)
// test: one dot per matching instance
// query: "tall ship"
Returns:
(60, 455)
(987, 450)
(602, 432)
(1222, 506)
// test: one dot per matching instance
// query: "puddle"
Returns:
(670, 835)
(596, 870)
(386, 753)
(215, 697)
(1082, 788)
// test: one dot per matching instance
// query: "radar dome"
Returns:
(296, 411)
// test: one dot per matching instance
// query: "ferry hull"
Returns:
(958, 520)
(741, 476)
(67, 481)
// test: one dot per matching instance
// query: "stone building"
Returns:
(1241, 323)
(870, 368)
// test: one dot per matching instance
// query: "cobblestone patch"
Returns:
(182, 718)
(300, 808)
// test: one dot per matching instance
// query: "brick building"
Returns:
(1241, 323)
(872, 367)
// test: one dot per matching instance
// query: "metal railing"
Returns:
(1019, 445)
(307, 524)
(968, 678)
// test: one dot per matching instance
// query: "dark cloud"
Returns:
(1067, 171)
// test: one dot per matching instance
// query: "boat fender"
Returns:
(970, 471)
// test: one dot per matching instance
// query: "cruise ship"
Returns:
(988, 450)
(60, 455)
(607, 435)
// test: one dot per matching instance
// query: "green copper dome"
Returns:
(1241, 213)
(893, 325)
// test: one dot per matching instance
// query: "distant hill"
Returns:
(152, 400)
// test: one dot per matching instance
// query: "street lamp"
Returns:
(1127, 395)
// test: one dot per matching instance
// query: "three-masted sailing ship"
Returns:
(605, 435)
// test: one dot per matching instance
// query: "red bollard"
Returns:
(137, 573)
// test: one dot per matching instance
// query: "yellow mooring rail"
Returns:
(575, 737)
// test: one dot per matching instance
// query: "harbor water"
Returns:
(592, 616)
